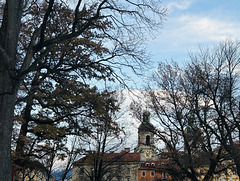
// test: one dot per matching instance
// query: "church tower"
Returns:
(146, 139)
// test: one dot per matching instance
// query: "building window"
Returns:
(152, 173)
(81, 172)
(128, 178)
(153, 164)
(147, 140)
(143, 173)
(147, 164)
(164, 175)
(128, 170)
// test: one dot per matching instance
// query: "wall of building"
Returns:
(127, 171)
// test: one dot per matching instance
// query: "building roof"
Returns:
(146, 126)
(111, 157)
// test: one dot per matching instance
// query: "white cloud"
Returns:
(181, 5)
(185, 32)
(182, 34)
(204, 29)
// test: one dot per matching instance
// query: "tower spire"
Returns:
(146, 145)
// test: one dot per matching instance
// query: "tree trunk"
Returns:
(7, 103)
(9, 84)
(236, 158)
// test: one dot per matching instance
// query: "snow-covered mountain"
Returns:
(127, 118)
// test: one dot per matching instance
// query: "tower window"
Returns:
(147, 140)
(152, 173)
(164, 175)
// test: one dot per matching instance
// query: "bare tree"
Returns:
(218, 80)
(198, 111)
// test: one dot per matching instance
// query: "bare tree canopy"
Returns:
(198, 110)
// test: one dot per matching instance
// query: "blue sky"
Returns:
(188, 25)
(191, 23)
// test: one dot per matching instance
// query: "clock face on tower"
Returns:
(148, 154)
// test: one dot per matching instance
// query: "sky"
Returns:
(193, 23)
(188, 25)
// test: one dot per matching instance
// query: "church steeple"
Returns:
(145, 131)
(146, 116)
(146, 138)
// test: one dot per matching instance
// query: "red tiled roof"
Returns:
(117, 157)
(124, 156)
